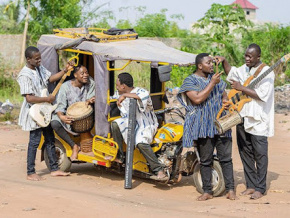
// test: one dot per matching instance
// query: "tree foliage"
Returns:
(9, 18)
(223, 25)
(50, 14)
(158, 25)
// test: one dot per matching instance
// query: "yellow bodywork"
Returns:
(105, 149)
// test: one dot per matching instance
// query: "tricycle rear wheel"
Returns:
(218, 183)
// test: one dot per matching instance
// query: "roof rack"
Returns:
(104, 35)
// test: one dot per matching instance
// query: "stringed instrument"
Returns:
(41, 112)
(238, 99)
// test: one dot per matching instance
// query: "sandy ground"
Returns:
(93, 192)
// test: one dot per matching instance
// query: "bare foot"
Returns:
(34, 177)
(231, 195)
(204, 197)
(75, 152)
(59, 173)
(256, 195)
(160, 176)
(248, 191)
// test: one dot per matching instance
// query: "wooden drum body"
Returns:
(83, 123)
(83, 117)
(228, 121)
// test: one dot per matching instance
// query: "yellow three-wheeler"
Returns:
(101, 51)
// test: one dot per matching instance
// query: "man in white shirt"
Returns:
(146, 122)
(258, 114)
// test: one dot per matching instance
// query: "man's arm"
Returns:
(127, 95)
(57, 76)
(249, 92)
(36, 99)
(199, 97)
(227, 67)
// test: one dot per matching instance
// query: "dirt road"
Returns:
(92, 192)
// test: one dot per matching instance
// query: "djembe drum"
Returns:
(83, 123)
(228, 121)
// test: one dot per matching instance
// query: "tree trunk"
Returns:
(25, 33)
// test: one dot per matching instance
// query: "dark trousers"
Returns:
(117, 136)
(144, 148)
(60, 130)
(34, 140)
(253, 151)
(150, 156)
(224, 153)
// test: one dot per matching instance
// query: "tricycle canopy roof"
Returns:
(141, 50)
(137, 50)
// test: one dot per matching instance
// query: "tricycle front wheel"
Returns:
(64, 162)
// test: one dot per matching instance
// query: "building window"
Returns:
(248, 12)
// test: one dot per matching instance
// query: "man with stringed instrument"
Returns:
(255, 102)
(32, 79)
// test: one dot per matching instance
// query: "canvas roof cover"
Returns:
(139, 50)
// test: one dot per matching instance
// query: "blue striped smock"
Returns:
(199, 119)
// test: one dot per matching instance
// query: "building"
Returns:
(248, 7)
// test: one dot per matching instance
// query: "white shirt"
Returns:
(30, 83)
(146, 121)
(258, 114)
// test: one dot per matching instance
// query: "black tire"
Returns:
(218, 182)
(64, 162)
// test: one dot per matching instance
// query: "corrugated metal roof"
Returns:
(245, 4)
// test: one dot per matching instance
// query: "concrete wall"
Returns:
(10, 48)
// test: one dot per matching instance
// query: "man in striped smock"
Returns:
(32, 79)
(146, 122)
(202, 94)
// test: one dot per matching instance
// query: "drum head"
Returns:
(79, 109)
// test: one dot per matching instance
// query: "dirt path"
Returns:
(92, 192)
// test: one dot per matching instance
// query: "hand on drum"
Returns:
(90, 101)
(66, 119)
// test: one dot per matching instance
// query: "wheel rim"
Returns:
(59, 155)
(214, 179)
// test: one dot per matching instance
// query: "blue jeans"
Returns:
(34, 140)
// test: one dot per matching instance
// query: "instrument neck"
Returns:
(60, 83)
(263, 75)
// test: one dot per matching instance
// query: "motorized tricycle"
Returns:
(102, 52)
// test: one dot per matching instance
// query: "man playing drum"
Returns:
(258, 117)
(32, 79)
(145, 118)
(202, 94)
(79, 89)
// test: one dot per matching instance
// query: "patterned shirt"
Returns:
(68, 95)
(31, 82)
(146, 121)
(199, 119)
